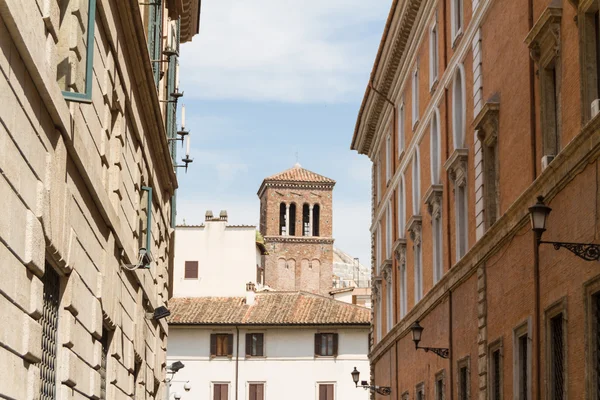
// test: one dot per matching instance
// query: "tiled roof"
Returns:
(269, 308)
(299, 174)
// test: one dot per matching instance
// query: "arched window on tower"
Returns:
(292, 219)
(305, 220)
(282, 209)
(316, 217)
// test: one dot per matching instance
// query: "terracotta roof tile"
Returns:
(299, 174)
(269, 308)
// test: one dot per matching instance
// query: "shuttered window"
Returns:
(221, 345)
(557, 357)
(220, 391)
(326, 344)
(191, 270)
(326, 391)
(257, 391)
(255, 345)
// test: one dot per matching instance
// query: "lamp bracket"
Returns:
(586, 251)
(442, 352)
(382, 390)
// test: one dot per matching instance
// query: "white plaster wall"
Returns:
(226, 259)
(346, 297)
(290, 371)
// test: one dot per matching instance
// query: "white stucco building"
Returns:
(279, 345)
(214, 259)
(239, 342)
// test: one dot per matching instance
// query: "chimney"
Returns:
(250, 293)
(223, 215)
(208, 216)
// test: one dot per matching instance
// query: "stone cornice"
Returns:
(298, 239)
(544, 38)
(400, 251)
(433, 199)
(414, 225)
(486, 123)
(457, 166)
(583, 149)
(294, 185)
(386, 268)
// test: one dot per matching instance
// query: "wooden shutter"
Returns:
(260, 345)
(260, 392)
(213, 345)
(323, 392)
(329, 392)
(230, 345)
(249, 346)
(335, 344)
(252, 390)
(224, 392)
(317, 344)
(191, 270)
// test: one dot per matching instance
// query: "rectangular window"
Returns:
(420, 393)
(418, 273)
(220, 391)
(326, 391)
(378, 244)
(438, 272)
(522, 363)
(389, 293)
(49, 324)
(550, 110)
(389, 231)
(495, 375)
(415, 96)
(256, 391)
(255, 344)
(457, 18)
(401, 124)
(403, 292)
(326, 344)
(433, 55)
(557, 358)
(463, 382)
(75, 48)
(388, 158)
(378, 177)
(221, 345)
(191, 270)
(439, 386)
(461, 221)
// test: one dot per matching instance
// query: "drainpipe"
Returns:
(451, 358)
(237, 359)
(537, 238)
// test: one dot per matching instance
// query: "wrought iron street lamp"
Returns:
(417, 332)
(382, 390)
(538, 214)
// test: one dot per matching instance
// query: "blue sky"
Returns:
(267, 79)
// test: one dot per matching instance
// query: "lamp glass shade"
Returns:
(417, 331)
(538, 214)
(355, 376)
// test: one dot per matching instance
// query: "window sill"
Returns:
(259, 358)
(325, 357)
(222, 358)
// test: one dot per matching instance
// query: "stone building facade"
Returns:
(474, 108)
(87, 182)
(296, 220)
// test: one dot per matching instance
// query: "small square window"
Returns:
(191, 270)
(255, 345)
(221, 345)
(326, 344)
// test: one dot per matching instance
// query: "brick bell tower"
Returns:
(296, 222)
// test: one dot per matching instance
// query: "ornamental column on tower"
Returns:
(296, 220)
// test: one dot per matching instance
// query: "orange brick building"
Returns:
(473, 109)
(296, 222)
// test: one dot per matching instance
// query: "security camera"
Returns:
(187, 386)
(177, 396)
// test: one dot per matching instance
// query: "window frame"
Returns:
(559, 308)
(212, 388)
(86, 96)
(229, 346)
(457, 30)
(592, 333)
(459, 135)
(401, 127)
(185, 277)
(261, 383)
(403, 291)
(420, 389)
(389, 294)
(440, 376)
(325, 383)
(465, 363)
(389, 230)
(334, 344)
(434, 54)
(523, 330)
(388, 158)
(249, 336)
(495, 346)
(416, 182)
(415, 95)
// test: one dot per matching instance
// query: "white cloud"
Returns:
(283, 50)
